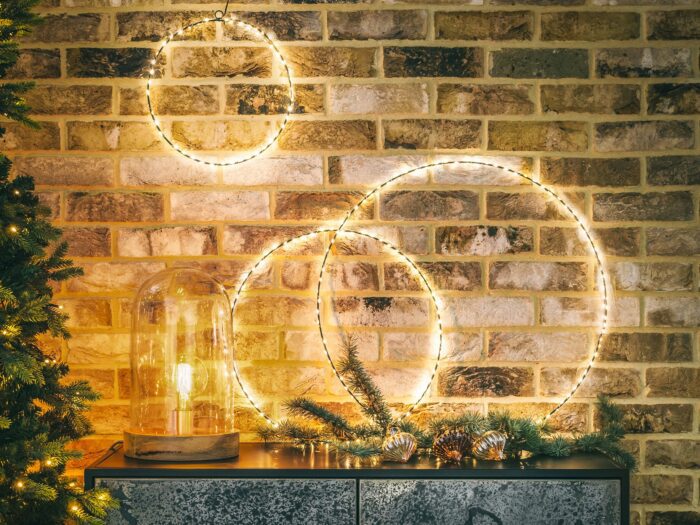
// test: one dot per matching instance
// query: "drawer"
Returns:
(490, 502)
(235, 501)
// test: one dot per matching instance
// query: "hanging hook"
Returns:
(221, 14)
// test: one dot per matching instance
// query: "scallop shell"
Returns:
(490, 445)
(452, 446)
(398, 446)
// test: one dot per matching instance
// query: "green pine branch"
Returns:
(292, 431)
(361, 384)
(367, 431)
(305, 407)
(360, 449)
(469, 422)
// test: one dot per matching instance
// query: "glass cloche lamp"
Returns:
(181, 370)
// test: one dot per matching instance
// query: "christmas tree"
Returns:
(40, 410)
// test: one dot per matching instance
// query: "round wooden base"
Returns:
(181, 448)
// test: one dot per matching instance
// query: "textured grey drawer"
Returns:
(234, 501)
(279, 484)
(490, 502)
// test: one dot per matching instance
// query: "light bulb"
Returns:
(183, 387)
(183, 381)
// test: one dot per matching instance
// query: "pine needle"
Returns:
(359, 381)
(361, 449)
(469, 422)
(305, 407)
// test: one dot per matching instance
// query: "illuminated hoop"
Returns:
(552, 193)
(314, 233)
(219, 18)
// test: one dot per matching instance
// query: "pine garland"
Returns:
(318, 425)
(40, 412)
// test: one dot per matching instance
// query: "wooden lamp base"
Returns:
(181, 448)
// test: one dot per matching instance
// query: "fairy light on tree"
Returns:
(40, 412)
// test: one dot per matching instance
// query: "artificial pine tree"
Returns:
(40, 411)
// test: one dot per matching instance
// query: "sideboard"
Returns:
(281, 484)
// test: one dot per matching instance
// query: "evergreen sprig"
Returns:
(607, 440)
(40, 412)
(469, 422)
(294, 432)
(360, 449)
(304, 407)
(361, 384)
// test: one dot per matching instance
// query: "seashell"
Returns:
(398, 446)
(490, 445)
(452, 446)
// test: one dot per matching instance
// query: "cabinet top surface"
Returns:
(287, 461)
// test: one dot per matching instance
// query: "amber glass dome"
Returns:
(181, 367)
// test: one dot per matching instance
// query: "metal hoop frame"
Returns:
(220, 17)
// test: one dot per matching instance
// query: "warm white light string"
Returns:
(409, 262)
(249, 29)
(340, 230)
(552, 193)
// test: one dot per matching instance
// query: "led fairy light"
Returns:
(409, 262)
(220, 17)
(581, 224)
(340, 230)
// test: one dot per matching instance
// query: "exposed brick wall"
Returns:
(598, 98)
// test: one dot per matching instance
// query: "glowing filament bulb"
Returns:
(183, 386)
(183, 382)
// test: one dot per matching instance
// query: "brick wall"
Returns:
(598, 98)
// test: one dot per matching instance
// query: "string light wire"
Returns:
(220, 17)
(341, 230)
(409, 262)
(581, 224)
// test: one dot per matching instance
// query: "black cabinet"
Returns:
(279, 484)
